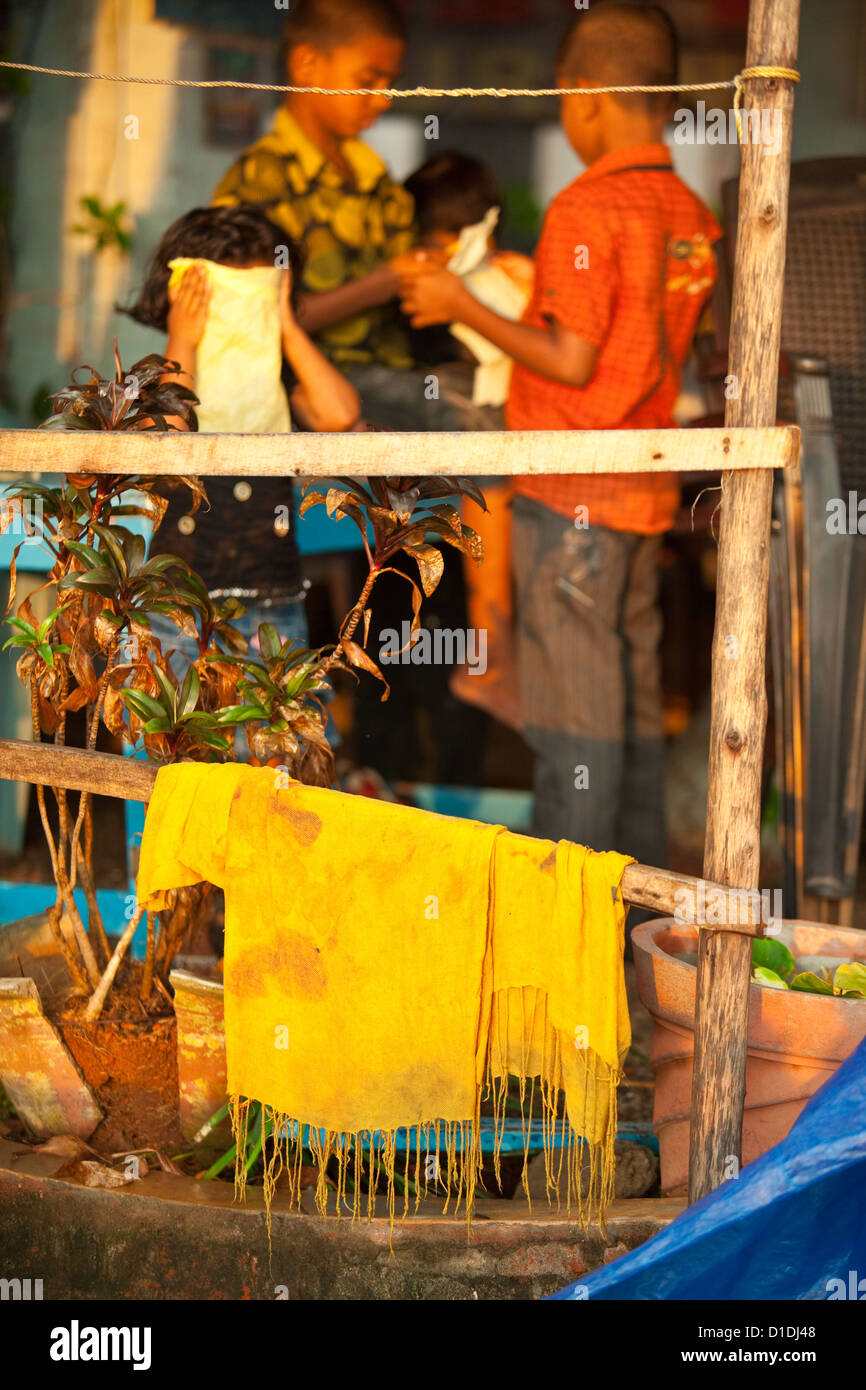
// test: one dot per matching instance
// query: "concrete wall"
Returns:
(72, 140)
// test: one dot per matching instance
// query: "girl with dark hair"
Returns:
(220, 284)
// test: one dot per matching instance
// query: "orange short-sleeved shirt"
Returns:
(625, 261)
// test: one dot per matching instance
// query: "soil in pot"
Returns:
(129, 1058)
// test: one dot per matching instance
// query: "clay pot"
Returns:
(201, 1050)
(796, 1040)
(38, 1072)
(112, 1082)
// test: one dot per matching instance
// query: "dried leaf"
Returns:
(113, 714)
(162, 1159)
(451, 517)
(25, 611)
(310, 499)
(265, 742)
(13, 577)
(89, 1173)
(62, 1146)
(403, 501)
(417, 597)
(335, 498)
(24, 665)
(317, 767)
(104, 631)
(184, 621)
(81, 666)
(49, 717)
(356, 656)
(430, 563)
(49, 682)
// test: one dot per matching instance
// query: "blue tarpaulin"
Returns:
(791, 1226)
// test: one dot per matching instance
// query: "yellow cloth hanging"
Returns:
(239, 360)
(387, 968)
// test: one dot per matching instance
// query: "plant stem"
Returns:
(97, 999)
(216, 1118)
(147, 977)
(95, 924)
(225, 1159)
(59, 869)
(81, 985)
(352, 620)
(91, 744)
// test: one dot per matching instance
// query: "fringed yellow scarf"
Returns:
(388, 969)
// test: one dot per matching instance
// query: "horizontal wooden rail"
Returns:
(130, 779)
(180, 452)
(104, 774)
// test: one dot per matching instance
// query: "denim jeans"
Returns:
(588, 632)
(287, 615)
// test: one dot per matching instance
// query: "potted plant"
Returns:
(807, 1013)
(95, 651)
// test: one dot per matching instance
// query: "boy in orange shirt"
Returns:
(623, 269)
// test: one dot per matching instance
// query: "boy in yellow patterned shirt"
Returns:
(334, 195)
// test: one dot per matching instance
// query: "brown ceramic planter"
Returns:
(201, 1050)
(112, 1082)
(796, 1041)
(37, 1070)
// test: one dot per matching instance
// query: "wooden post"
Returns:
(739, 700)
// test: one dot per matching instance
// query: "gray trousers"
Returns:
(588, 631)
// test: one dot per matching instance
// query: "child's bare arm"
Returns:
(432, 295)
(323, 399)
(187, 317)
(322, 310)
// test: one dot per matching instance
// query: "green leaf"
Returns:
(215, 741)
(810, 983)
(239, 714)
(45, 626)
(23, 627)
(768, 977)
(88, 556)
(115, 619)
(168, 690)
(135, 552)
(189, 691)
(269, 642)
(143, 705)
(850, 979)
(46, 653)
(115, 549)
(160, 563)
(157, 726)
(773, 954)
(67, 421)
(473, 491)
(106, 587)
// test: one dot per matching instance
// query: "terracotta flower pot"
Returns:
(201, 1050)
(796, 1040)
(112, 1082)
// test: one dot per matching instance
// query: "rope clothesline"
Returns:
(395, 93)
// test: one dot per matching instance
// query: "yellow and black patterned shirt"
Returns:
(344, 232)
